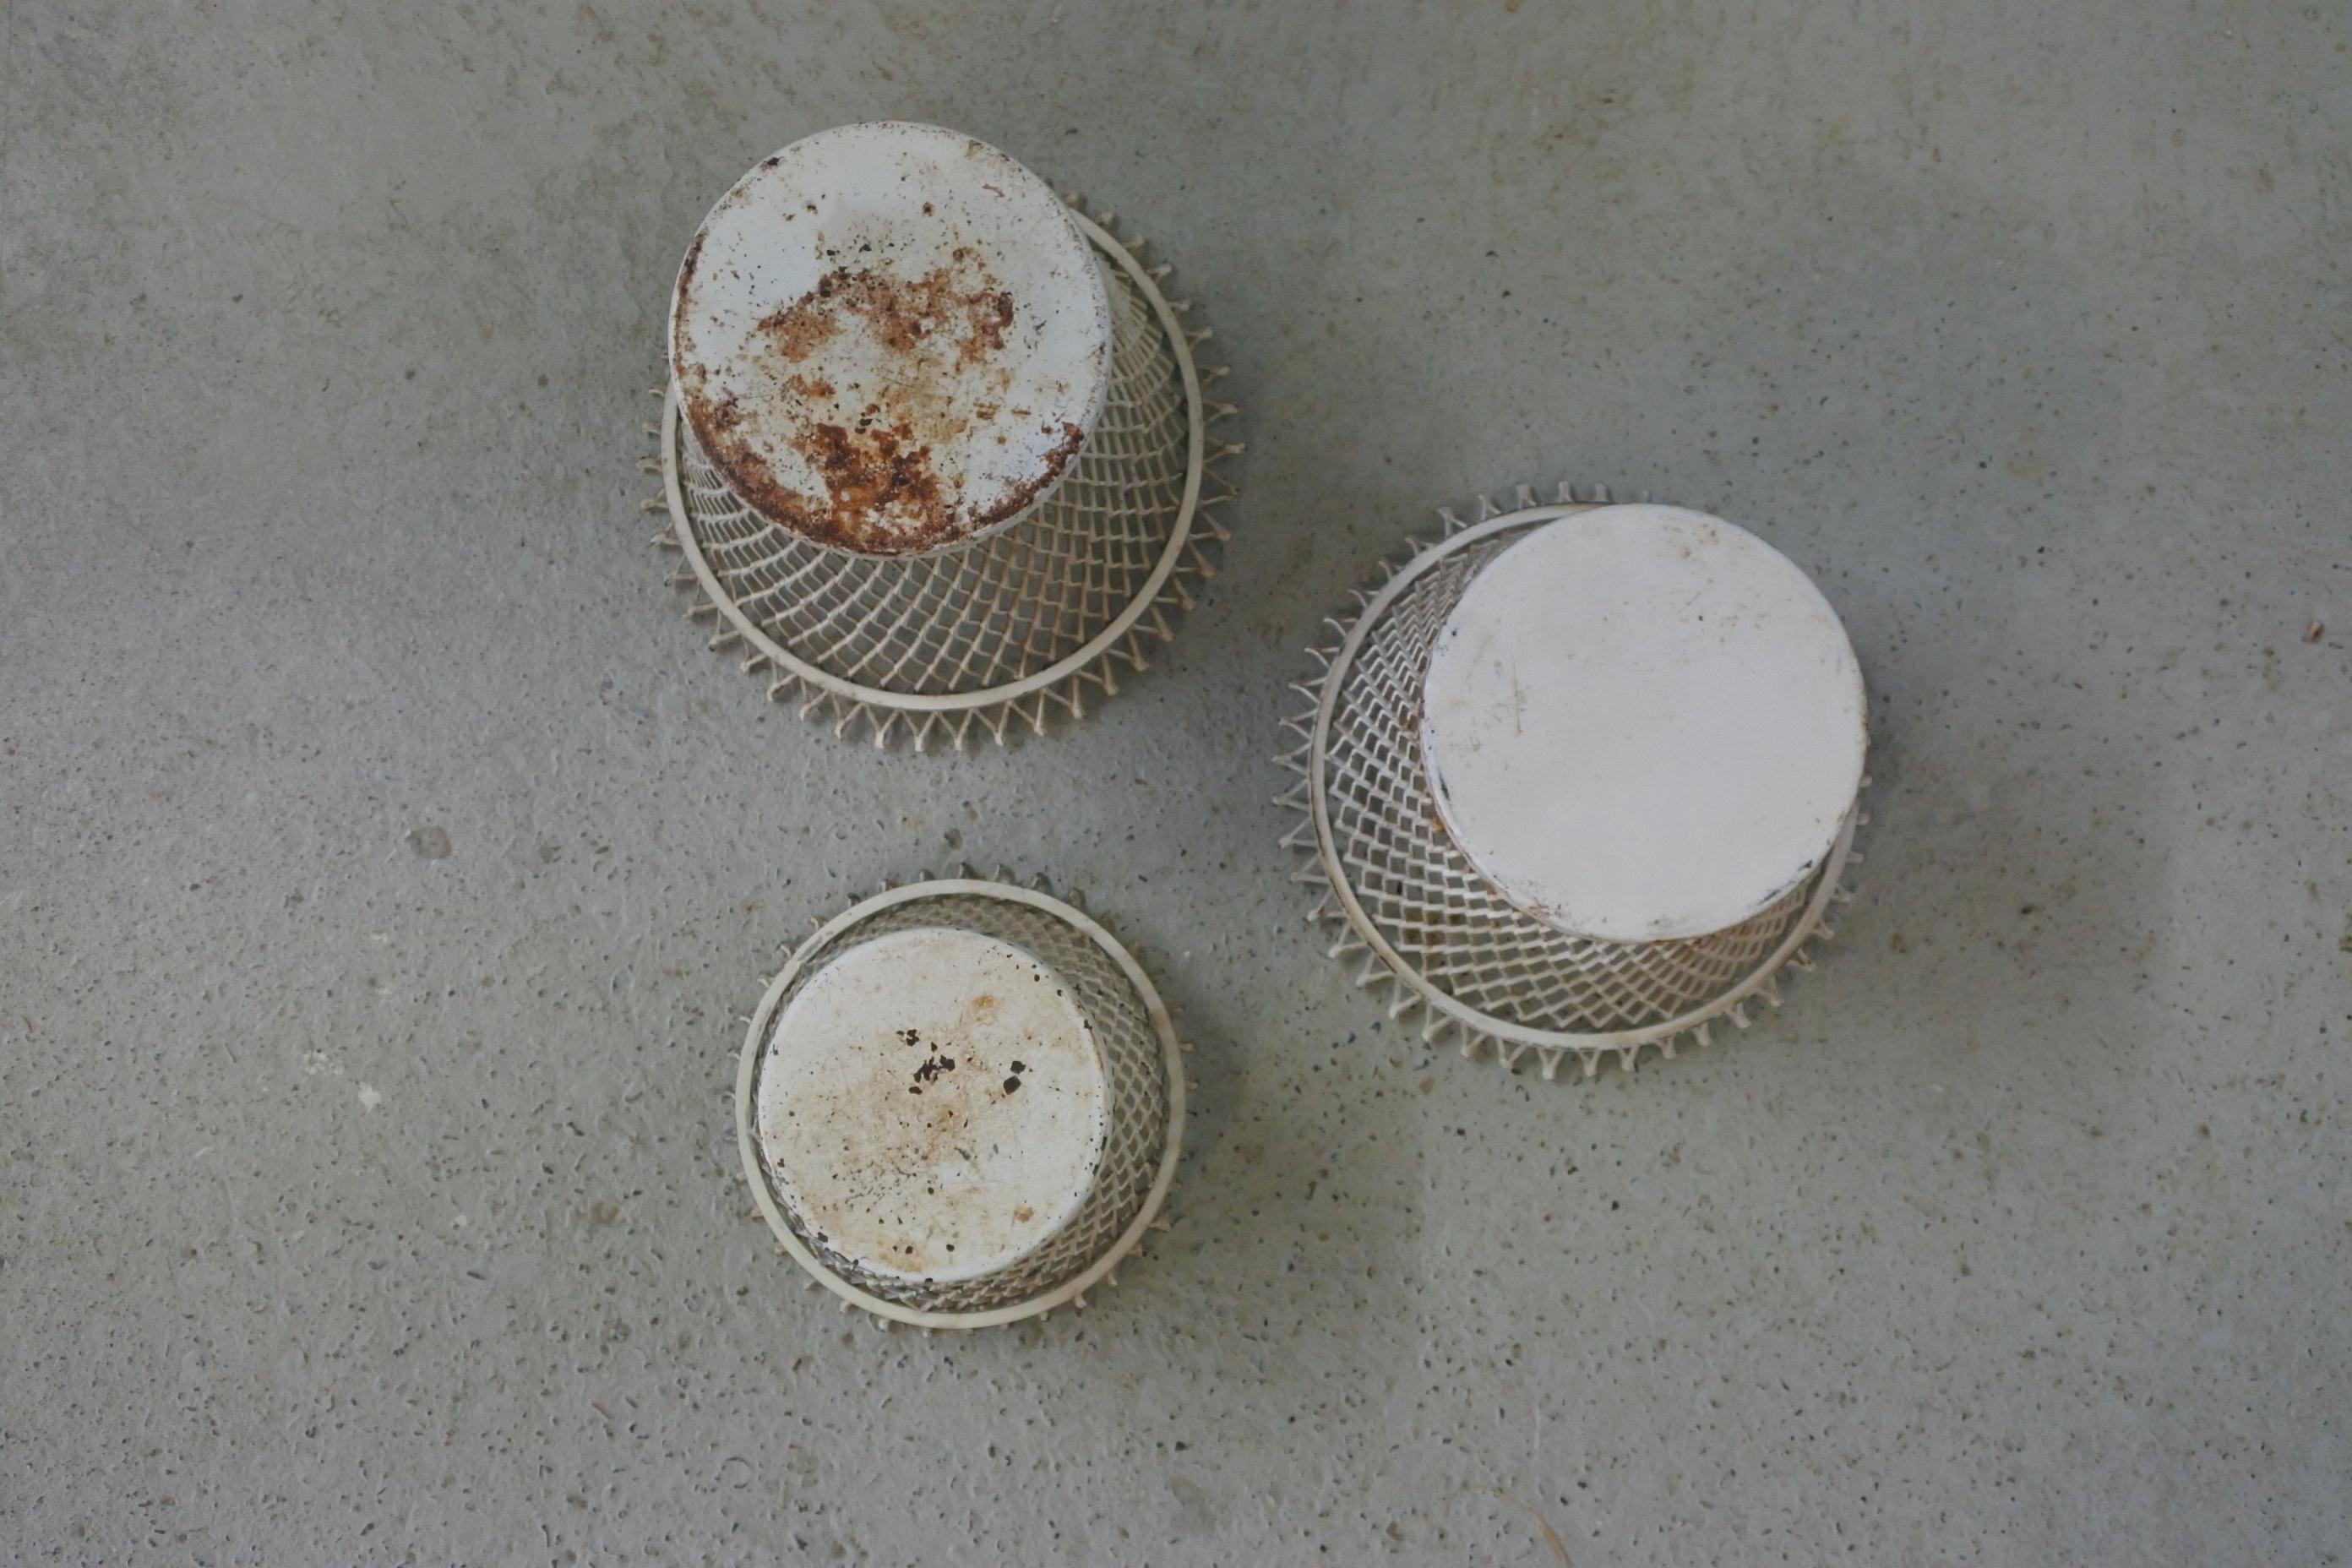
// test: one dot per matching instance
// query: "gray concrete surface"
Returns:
(383, 862)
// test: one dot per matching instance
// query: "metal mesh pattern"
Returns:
(1136, 1112)
(1500, 975)
(1009, 626)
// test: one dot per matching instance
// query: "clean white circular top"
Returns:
(932, 1104)
(890, 338)
(1641, 722)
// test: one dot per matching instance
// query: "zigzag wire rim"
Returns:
(1148, 619)
(1358, 937)
(1038, 893)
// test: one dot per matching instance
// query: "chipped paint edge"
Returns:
(1071, 1291)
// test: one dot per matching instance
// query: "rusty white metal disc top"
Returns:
(1642, 723)
(891, 339)
(933, 1105)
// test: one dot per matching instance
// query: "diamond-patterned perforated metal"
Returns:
(1501, 977)
(1136, 1061)
(1008, 627)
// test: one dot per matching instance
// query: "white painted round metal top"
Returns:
(933, 1105)
(1643, 723)
(891, 339)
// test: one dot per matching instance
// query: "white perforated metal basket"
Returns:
(1143, 1121)
(1009, 630)
(1407, 909)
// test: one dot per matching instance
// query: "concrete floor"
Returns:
(369, 1203)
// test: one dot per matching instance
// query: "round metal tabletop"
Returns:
(891, 339)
